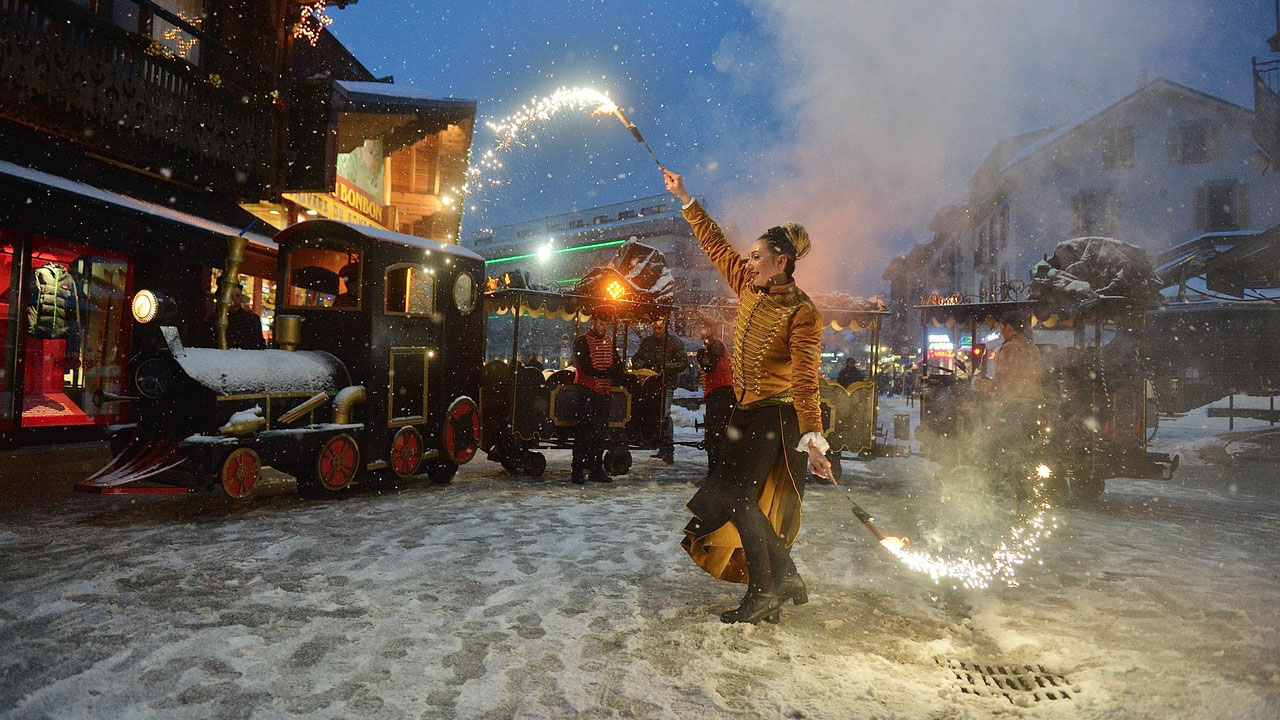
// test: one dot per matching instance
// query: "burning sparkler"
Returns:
(1022, 544)
(511, 129)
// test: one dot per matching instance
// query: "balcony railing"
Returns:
(1266, 103)
(72, 74)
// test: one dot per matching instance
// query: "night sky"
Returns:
(858, 118)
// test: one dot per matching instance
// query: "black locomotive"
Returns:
(378, 375)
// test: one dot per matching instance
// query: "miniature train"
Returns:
(378, 376)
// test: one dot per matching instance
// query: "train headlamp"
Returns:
(145, 306)
(148, 306)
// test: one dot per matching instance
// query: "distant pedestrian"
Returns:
(717, 395)
(663, 353)
(850, 374)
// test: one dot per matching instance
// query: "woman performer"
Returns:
(747, 514)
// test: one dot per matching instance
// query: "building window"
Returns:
(1222, 205)
(1003, 225)
(600, 219)
(1194, 143)
(525, 233)
(1117, 148)
(628, 214)
(578, 224)
(1095, 212)
(653, 209)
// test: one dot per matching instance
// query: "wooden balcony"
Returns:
(1266, 103)
(71, 74)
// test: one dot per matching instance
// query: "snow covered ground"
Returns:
(498, 598)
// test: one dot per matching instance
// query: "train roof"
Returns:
(310, 228)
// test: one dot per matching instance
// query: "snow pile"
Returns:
(237, 372)
(684, 417)
(1084, 271)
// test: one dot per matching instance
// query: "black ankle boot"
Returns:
(756, 605)
(791, 587)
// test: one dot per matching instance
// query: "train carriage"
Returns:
(529, 408)
(1095, 416)
(378, 375)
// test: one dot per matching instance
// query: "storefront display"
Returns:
(75, 343)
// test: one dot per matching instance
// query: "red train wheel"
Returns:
(239, 473)
(406, 452)
(338, 463)
(461, 434)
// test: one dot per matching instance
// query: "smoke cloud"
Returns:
(889, 105)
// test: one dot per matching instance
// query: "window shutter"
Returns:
(1202, 207)
(1213, 138)
(1173, 144)
(1240, 204)
(1112, 221)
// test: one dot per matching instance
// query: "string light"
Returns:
(1022, 544)
(178, 38)
(311, 22)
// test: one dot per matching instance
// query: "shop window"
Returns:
(8, 316)
(75, 338)
(410, 291)
(324, 274)
(258, 296)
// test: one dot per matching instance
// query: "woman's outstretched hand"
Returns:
(675, 186)
(819, 464)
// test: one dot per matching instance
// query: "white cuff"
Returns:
(818, 442)
(689, 204)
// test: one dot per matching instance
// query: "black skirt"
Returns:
(759, 464)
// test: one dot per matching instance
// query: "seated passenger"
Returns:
(350, 277)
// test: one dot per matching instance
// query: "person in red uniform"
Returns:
(717, 394)
(596, 366)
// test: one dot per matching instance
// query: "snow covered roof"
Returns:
(1151, 87)
(389, 94)
(126, 202)
(396, 238)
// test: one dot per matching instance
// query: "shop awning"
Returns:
(83, 192)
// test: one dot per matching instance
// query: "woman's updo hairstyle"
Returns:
(791, 240)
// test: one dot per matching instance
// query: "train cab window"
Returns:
(410, 291)
(324, 274)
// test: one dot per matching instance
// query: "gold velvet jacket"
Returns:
(777, 339)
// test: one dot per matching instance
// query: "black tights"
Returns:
(758, 446)
(767, 558)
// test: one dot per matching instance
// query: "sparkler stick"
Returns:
(636, 134)
(888, 542)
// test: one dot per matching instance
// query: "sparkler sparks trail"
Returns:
(510, 131)
(1022, 544)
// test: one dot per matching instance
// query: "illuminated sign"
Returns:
(360, 201)
(329, 207)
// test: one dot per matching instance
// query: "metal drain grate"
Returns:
(1019, 684)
